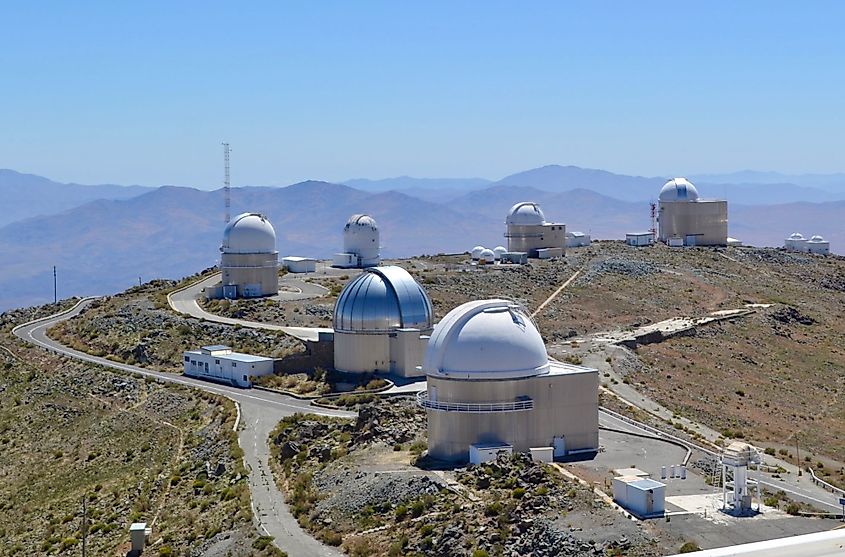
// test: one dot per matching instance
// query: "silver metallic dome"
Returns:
(382, 299)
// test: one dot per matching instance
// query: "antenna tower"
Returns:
(226, 184)
(653, 221)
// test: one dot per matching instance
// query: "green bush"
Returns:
(518, 493)
(689, 547)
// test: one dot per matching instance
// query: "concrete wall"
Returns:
(398, 352)
(361, 353)
(533, 237)
(565, 405)
(244, 269)
(707, 220)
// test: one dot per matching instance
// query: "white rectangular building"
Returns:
(296, 264)
(219, 363)
(641, 496)
(577, 239)
(639, 238)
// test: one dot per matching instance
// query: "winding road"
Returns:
(260, 411)
(184, 301)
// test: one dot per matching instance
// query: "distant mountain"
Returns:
(556, 178)
(429, 189)
(28, 195)
(105, 245)
(769, 225)
(767, 194)
(834, 183)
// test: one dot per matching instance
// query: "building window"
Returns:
(234, 364)
(187, 358)
(217, 362)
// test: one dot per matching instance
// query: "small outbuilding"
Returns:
(577, 239)
(296, 264)
(220, 364)
(643, 497)
(639, 238)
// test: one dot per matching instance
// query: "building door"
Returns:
(433, 395)
(690, 240)
(649, 502)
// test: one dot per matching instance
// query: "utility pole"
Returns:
(226, 183)
(797, 455)
(84, 526)
(139, 281)
(55, 287)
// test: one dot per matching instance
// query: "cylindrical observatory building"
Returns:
(685, 219)
(249, 260)
(528, 232)
(491, 383)
(382, 320)
(360, 243)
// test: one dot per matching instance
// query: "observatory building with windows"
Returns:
(360, 243)
(249, 261)
(382, 320)
(490, 382)
(528, 232)
(686, 220)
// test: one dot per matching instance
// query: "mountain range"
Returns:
(107, 243)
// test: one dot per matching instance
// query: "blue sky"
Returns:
(144, 92)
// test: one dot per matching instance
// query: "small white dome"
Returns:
(678, 189)
(796, 236)
(525, 213)
(486, 339)
(249, 233)
(476, 252)
(498, 251)
(361, 221)
(816, 238)
(487, 255)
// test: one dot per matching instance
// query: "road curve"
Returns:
(184, 301)
(260, 412)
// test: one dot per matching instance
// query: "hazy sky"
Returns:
(143, 92)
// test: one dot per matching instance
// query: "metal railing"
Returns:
(519, 405)
(820, 482)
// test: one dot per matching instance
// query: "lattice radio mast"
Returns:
(653, 221)
(226, 184)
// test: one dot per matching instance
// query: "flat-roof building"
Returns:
(220, 364)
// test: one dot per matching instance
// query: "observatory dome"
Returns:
(498, 251)
(476, 252)
(486, 339)
(361, 237)
(487, 255)
(816, 238)
(678, 189)
(525, 213)
(249, 233)
(382, 299)
(796, 236)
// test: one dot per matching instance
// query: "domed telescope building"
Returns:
(528, 232)
(382, 320)
(490, 383)
(686, 220)
(249, 261)
(360, 243)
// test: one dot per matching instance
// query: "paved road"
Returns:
(185, 301)
(260, 412)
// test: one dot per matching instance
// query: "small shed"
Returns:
(219, 363)
(480, 453)
(138, 535)
(639, 238)
(641, 496)
(296, 264)
(549, 253)
(514, 257)
(577, 239)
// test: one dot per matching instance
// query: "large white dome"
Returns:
(486, 339)
(525, 213)
(678, 189)
(361, 237)
(249, 233)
